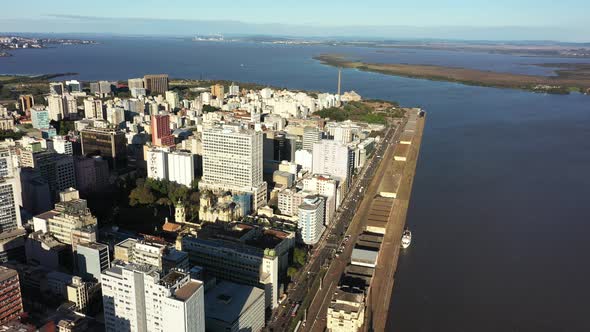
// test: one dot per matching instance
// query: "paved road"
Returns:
(323, 252)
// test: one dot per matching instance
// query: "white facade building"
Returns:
(311, 219)
(181, 168)
(333, 158)
(157, 164)
(232, 160)
(136, 298)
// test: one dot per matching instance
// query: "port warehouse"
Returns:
(354, 285)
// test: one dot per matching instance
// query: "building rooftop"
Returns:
(187, 290)
(6, 273)
(227, 301)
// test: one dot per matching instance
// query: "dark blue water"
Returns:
(499, 210)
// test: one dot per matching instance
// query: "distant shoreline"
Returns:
(575, 77)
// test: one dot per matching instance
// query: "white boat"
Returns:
(406, 238)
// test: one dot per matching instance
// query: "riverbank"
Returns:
(574, 78)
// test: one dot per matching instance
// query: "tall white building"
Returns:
(333, 158)
(172, 99)
(311, 219)
(232, 160)
(70, 105)
(9, 207)
(93, 108)
(326, 187)
(56, 107)
(62, 145)
(157, 164)
(136, 298)
(181, 168)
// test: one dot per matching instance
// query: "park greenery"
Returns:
(163, 193)
(357, 111)
(299, 258)
(4, 134)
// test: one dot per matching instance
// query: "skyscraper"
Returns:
(156, 83)
(232, 160)
(56, 107)
(161, 135)
(135, 83)
(172, 99)
(26, 103)
(333, 158)
(311, 135)
(311, 219)
(93, 108)
(136, 298)
(109, 143)
(9, 207)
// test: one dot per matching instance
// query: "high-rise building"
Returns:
(74, 86)
(311, 136)
(135, 83)
(93, 108)
(9, 207)
(92, 259)
(26, 102)
(115, 116)
(311, 219)
(326, 187)
(57, 169)
(109, 143)
(56, 88)
(12, 246)
(217, 90)
(156, 83)
(92, 174)
(236, 262)
(70, 105)
(62, 146)
(12, 302)
(40, 118)
(56, 107)
(335, 159)
(234, 90)
(172, 99)
(106, 87)
(157, 164)
(70, 221)
(181, 168)
(136, 298)
(161, 135)
(163, 257)
(232, 160)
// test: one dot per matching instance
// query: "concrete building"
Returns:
(92, 259)
(93, 108)
(161, 134)
(217, 90)
(157, 164)
(335, 159)
(135, 83)
(92, 174)
(12, 246)
(311, 136)
(62, 146)
(43, 249)
(232, 160)
(136, 298)
(346, 312)
(156, 83)
(69, 215)
(231, 307)
(172, 99)
(56, 107)
(10, 218)
(163, 257)
(26, 103)
(40, 118)
(289, 201)
(236, 262)
(109, 143)
(181, 168)
(328, 188)
(56, 88)
(56, 169)
(10, 295)
(311, 219)
(73, 86)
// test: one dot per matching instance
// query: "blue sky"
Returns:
(566, 19)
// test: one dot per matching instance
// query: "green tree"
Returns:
(291, 272)
(141, 196)
(299, 255)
